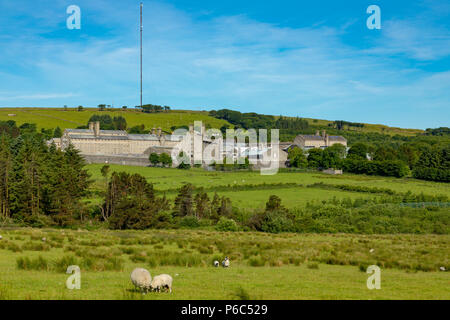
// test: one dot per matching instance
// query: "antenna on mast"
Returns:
(141, 51)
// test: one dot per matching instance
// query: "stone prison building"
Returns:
(121, 147)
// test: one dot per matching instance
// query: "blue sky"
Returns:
(300, 58)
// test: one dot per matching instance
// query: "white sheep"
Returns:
(1, 237)
(216, 263)
(141, 279)
(162, 281)
(226, 262)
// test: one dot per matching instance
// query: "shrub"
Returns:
(25, 263)
(242, 294)
(189, 222)
(226, 224)
(276, 222)
(60, 265)
(392, 168)
(257, 261)
(31, 246)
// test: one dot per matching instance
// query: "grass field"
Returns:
(71, 118)
(263, 266)
(369, 127)
(260, 186)
(54, 117)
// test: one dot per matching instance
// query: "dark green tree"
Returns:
(154, 159)
(57, 133)
(358, 151)
(315, 158)
(297, 158)
(183, 205)
(165, 159)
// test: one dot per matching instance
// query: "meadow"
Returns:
(250, 189)
(263, 266)
(50, 118)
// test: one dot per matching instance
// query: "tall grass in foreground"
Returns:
(61, 264)
(4, 293)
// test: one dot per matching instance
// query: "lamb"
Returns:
(216, 263)
(141, 279)
(1, 237)
(161, 282)
(226, 262)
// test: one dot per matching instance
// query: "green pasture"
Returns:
(263, 266)
(71, 118)
(256, 188)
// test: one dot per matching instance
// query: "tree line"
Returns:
(40, 184)
(253, 120)
(429, 163)
(153, 108)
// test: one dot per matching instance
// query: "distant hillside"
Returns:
(71, 118)
(376, 128)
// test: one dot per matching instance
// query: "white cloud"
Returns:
(414, 38)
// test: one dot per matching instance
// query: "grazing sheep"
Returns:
(226, 262)
(371, 250)
(141, 279)
(160, 282)
(442, 268)
(44, 239)
(1, 237)
(216, 263)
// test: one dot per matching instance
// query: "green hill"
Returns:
(71, 118)
(369, 128)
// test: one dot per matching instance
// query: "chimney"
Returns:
(153, 131)
(317, 133)
(97, 128)
(324, 133)
(159, 131)
(191, 129)
(91, 126)
(327, 140)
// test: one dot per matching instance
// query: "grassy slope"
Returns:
(206, 282)
(53, 117)
(368, 127)
(166, 179)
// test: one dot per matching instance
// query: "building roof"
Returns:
(319, 138)
(310, 137)
(79, 130)
(102, 137)
(105, 132)
(119, 135)
(144, 137)
(337, 138)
